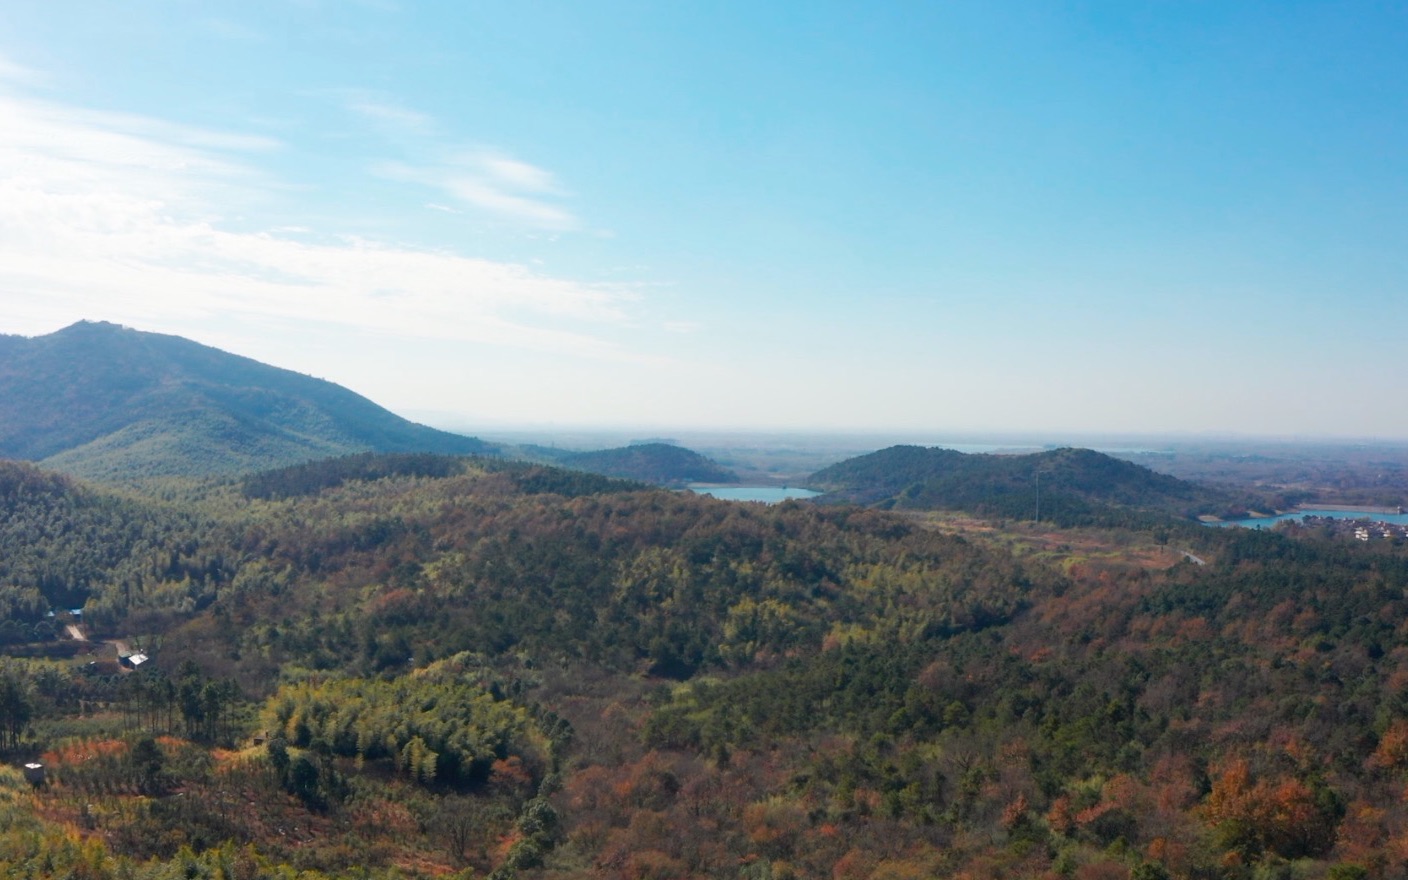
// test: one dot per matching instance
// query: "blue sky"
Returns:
(947, 217)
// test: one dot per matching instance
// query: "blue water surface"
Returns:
(1267, 522)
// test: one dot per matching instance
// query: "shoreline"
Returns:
(1368, 511)
(1342, 508)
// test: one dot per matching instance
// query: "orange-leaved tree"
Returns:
(1283, 816)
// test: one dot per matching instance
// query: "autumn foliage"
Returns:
(516, 672)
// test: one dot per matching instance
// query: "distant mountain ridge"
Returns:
(108, 402)
(1071, 484)
(660, 463)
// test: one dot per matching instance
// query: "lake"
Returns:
(1267, 522)
(765, 494)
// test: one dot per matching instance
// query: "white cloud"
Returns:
(11, 71)
(391, 117)
(501, 185)
(121, 217)
(484, 194)
(488, 180)
(519, 175)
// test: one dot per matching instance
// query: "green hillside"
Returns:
(660, 463)
(1063, 485)
(107, 402)
(63, 544)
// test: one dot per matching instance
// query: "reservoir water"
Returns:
(765, 494)
(1267, 522)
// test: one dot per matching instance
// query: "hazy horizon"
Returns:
(740, 435)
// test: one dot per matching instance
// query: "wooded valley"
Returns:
(409, 665)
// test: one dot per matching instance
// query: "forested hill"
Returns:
(108, 402)
(1078, 485)
(62, 544)
(660, 463)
